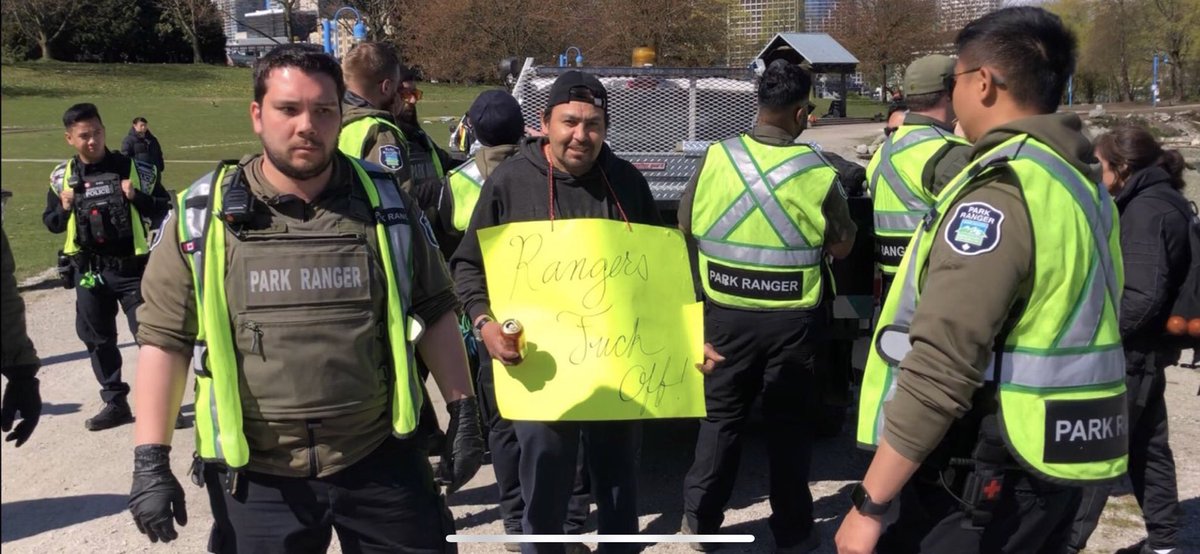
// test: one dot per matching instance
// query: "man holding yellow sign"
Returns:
(568, 235)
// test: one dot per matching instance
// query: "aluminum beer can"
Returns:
(514, 335)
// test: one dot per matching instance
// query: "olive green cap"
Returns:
(928, 74)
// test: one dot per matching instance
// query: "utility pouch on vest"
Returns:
(101, 212)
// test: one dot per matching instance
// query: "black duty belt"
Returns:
(86, 261)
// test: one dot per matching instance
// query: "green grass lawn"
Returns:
(199, 113)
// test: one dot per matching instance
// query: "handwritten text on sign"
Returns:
(612, 325)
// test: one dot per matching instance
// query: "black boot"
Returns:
(114, 414)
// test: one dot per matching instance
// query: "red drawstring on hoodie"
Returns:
(603, 177)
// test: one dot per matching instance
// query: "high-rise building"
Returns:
(255, 26)
(753, 22)
(818, 16)
(231, 15)
(955, 14)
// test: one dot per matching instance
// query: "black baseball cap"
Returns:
(496, 117)
(579, 87)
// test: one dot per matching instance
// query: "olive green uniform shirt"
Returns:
(968, 301)
(282, 447)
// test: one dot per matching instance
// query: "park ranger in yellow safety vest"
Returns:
(369, 131)
(764, 213)
(994, 386)
(495, 119)
(298, 286)
(915, 162)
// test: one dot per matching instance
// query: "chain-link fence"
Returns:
(662, 119)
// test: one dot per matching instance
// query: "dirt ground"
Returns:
(65, 490)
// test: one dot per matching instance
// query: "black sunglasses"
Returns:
(949, 81)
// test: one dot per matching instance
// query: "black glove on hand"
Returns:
(22, 396)
(464, 444)
(156, 495)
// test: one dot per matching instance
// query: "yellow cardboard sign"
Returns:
(612, 326)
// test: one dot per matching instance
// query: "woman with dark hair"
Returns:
(1145, 181)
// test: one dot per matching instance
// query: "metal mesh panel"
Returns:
(653, 110)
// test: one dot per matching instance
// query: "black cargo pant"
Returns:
(387, 502)
(1151, 467)
(1032, 517)
(506, 458)
(774, 353)
(549, 462)
(119, 285)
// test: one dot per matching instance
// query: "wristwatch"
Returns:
(478, 329)
(865, 506)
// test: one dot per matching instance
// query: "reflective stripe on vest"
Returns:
(901, 203)
(1066, 353)
(433, 155)
(353, 139)
(141, 227)
(219, 432)
(761, 243)
(465, 183)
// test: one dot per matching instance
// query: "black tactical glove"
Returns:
(464, 445)
(156, 495)
(21, 396)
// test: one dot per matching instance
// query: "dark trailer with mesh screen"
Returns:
(663, 119)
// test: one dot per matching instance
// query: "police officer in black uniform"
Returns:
(106, 204)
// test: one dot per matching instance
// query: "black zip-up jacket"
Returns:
(143, 148)
(518, 190)
(153, 206)
(1155, 244)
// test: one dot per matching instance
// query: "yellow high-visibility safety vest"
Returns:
(1060, 373)
(902, 200)
(466, 181)
(758, 224)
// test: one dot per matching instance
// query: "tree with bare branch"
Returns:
(383, 17)
(456, 41)
(887, 34)
(42, 21)
(682, 32)
(189, 16)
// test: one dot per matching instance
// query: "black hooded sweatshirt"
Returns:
(143, 148)
(519, 190)
(1155, 244)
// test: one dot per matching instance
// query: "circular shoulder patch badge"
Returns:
(974, 228)
(389, 156)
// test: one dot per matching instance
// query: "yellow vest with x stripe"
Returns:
(758, 224)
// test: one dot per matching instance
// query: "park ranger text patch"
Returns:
(389, 156)
(1090, 430)
(762, 285)
(974, 228)
(316, 278)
